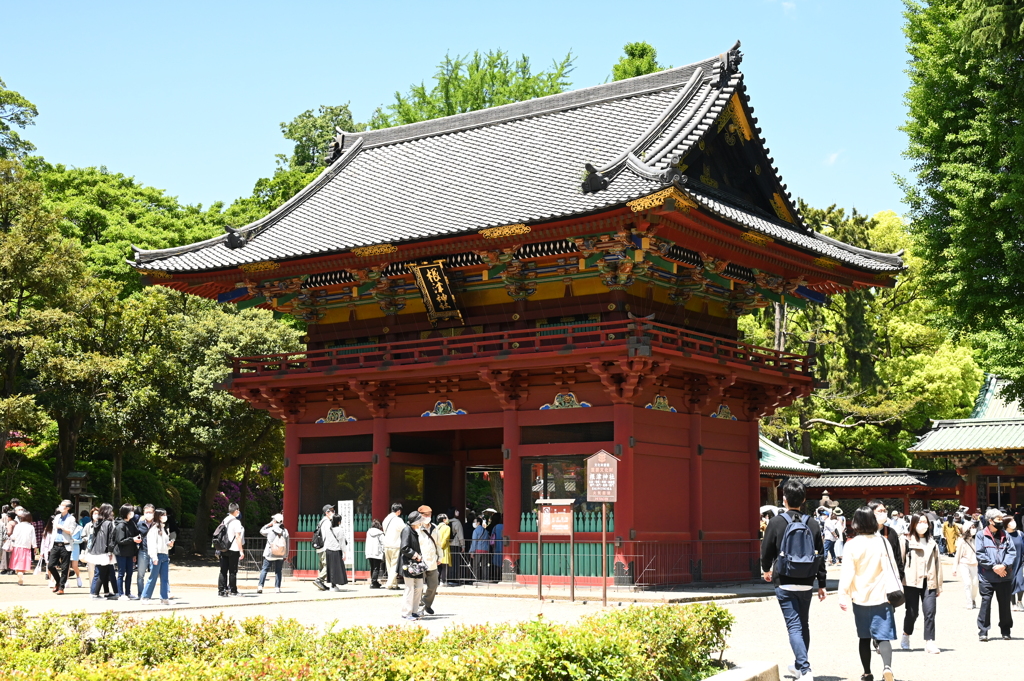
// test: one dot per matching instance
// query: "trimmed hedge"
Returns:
(658, 643)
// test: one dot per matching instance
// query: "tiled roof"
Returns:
(776, 458)
(969, 435)
(991, 404)
(519, 163)
(895, 477)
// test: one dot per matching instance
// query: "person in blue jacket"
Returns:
(996, 556)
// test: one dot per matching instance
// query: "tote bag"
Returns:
(893, 587)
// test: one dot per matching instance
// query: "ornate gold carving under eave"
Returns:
(734, 119)
(712, 264)
(756, 238)
(826, 263)
(683, 202)
(505, 230)
(707, 179)
(690, 282)
(779, 205)
(274, 289)
(884, 276)
(776, 284)
(618, 275)
(745, 299)
(377, 249)
(156, 274)
(519, 280)
(263, 266)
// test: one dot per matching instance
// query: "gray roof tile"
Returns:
(521, 162)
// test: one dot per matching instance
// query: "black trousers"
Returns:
(377, 570)
(1002, 591)
(59, 563)
(457, 570)
(228, 580)
(107, 580)
(920, 598)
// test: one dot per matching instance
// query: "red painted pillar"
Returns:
(754, 479)
(512, 489)
(381, 489)
(696, 524)
(291, 479)
(623, 418)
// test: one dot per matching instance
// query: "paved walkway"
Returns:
(758, 634)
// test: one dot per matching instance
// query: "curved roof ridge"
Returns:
(257, 226)
(890, 258)
(595, 94)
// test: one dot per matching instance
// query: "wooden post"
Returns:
(572, 555)
(604, 555)
(381, 486)
(291, 479)
(540, 555)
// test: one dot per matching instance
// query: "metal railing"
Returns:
(583, 521)
(631, 334)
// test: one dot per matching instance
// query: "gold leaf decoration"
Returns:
(707, 179)
(156, 274)
(378, 249)
(780, 208)
(504, 230)
(883, 276)
(683, 202)
(756, 238)
(826, 263)
(259, 266)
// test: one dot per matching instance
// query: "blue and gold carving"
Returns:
(444, 408)
(660, 403)
(336, 415)
(723, 412)
(565, 401)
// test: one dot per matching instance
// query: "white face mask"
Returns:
(922, 528)
(95, 516)
(148, 516)
(880, 517)
(1011, 525)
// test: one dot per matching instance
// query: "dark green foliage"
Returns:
(640, 59)
(15, 112)
(143, 487)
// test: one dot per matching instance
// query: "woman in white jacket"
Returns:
(863, 584)
(275, 552)
(158, 542)
(375, 553)
(965, 564)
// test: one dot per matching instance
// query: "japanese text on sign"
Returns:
(554, 520)
(602, 478)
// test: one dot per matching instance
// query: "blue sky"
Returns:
(188, 96)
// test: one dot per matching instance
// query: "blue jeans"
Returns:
(142, 567)
(125, 567)
(161, 570)
(276, 566)
(796, 610)
(830, 548)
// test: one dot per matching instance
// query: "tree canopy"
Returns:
(640, 59)
(15, 112)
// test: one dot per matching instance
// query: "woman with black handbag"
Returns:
(870, 583)
(412, 566)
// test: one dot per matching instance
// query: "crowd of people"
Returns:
(889, 560)
(134, 542)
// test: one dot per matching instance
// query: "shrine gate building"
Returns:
(510, 290)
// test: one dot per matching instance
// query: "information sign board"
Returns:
(602, 478)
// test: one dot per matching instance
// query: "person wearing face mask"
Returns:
(412, 565)
(996, 555)
(142, 564)
(159, 541)
(890, 533)
(965, 564)
(59, 559)
(101, 552)
(923, 581)
(1018, 565)
(126, 548)
(479, 547)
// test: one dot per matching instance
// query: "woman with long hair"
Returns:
(23, 546)
(101, 552)
(923, 570)
(951, 530)
(158, 543)
(862, 586)
(45, 544)
(126, 550)
(335, 545)
(965, 563)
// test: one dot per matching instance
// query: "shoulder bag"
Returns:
(893, 588)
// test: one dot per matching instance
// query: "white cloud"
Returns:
(831, 159)
(789, 7)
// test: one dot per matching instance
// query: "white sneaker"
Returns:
(905, 642)
(259, 589)
(280, 590)
(930, 647)
(887, 674)
(123, 598)
(79, 579)
(807, 676)
(792, 670)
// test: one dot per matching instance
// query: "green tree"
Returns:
(966, 101)
(39, 268)
(312, 132)
(15, 112)
(474, 82)
(640, 59)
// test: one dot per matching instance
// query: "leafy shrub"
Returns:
(639, 643)
(187, 520)
(143, 487)
(188, 493)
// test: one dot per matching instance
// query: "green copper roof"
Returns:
(991, 404)
(972, 435)
(777, 458)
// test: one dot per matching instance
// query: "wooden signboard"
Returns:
(602, 478)
(554, 520)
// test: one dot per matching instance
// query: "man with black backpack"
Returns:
(792, 557)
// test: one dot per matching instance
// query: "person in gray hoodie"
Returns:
(996, 556)
(275, 552)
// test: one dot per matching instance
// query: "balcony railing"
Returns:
(638, 337)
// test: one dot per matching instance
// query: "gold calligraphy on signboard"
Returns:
(602, 478)
(436, 291)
